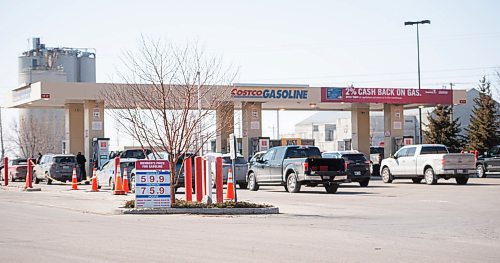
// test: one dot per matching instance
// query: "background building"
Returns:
(331, 130)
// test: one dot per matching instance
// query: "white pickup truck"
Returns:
(429, 162)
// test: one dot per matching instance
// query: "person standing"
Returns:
(39, 158)
(80, 159)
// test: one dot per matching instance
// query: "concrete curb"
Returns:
(199, 211)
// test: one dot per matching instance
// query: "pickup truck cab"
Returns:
(427, 161)
(294, 166)
(488, 162)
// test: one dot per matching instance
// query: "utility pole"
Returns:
(451, 112)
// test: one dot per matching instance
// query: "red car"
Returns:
(17, 169)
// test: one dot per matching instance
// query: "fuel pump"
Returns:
(100, 151)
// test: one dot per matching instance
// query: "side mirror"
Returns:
(394, 156)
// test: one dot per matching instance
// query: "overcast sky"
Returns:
(320, 43)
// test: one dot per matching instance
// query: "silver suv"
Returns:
(55, 166)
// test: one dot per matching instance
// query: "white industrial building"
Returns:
(51, 64)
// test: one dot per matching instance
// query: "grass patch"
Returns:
(228, 204)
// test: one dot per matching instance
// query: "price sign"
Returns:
(152, 184)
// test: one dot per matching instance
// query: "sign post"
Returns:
(233, 152)
(152, 184)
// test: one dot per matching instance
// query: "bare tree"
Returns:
(31, 136)
(169, 99)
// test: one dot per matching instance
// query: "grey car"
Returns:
(55, 166)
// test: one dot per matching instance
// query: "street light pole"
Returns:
(418, 62)
(198, 139)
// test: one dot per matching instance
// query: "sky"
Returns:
(320, 43)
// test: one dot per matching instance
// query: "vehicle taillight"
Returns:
(443, 161)
(306, 166)
(346, 163)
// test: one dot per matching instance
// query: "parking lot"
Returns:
(400, 221)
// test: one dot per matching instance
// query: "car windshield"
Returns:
(354, 157)
(20, 162)
(64, 159)
(374, 150)
(434, 150)
(303, 152)
(137, 154)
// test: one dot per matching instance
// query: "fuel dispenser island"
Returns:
(100, 151)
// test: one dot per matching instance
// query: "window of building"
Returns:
(329, 132)
(315, 127)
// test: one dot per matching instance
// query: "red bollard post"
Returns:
(188, 177)
(6, 171)
(204, 176)
(219, 182)
(198, 173)
(29, 176)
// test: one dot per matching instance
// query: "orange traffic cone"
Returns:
(125, 181)
(74, 181)
(230, 185)
(118, 184)
(95, 187)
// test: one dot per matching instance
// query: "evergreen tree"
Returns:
(483, 128)
(442, 129)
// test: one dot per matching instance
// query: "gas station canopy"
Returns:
(272, 97)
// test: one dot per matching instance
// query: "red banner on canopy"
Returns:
(387, 95)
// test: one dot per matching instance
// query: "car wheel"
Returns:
(243, 185)
(365, 182)
(480, 171)
(461, 180)
(331, 188)
(292, 183)
(11, 177)
(252, 182)
(132, 183)
(386, 175)
(416, 180)
(430, 177)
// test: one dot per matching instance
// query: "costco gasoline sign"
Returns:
(152, 184)
(269, 93)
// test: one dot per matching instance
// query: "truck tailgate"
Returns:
(464, 161)
(326, 164)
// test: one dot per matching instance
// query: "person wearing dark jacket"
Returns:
(80, 159)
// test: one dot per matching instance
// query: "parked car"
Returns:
(428, 161)
(18, 169)
(55, 166)
(179, 167)
(239, 174)
(106, 173)
(357, 166)
(293, 166)
(488, 162)
(376, 157)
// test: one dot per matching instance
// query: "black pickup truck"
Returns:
(488, 162)
(295, 166)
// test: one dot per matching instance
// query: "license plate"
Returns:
(460, 171)
(326, 177)
(65, 166)
(357, 173)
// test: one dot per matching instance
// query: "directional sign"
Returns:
(152, 184)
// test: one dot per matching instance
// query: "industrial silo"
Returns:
(52, 65)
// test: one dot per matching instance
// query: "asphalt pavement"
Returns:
(401, 222)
